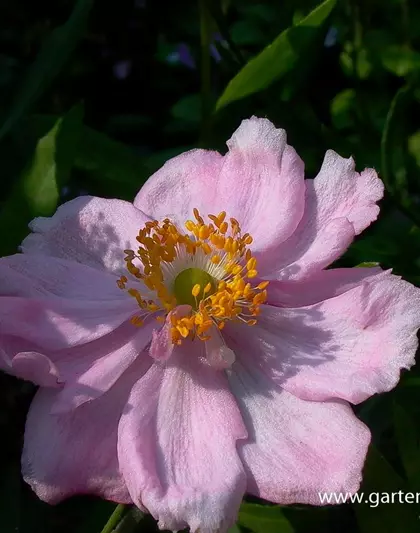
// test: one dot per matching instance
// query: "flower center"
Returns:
(191, 285)
(208, 268)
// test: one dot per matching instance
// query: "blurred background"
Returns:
(95, 96)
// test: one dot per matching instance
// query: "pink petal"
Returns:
(37, 276)
(161, 347)
(310, 252)
(55, 324)
(184, 182)
(259, 182)
(320, 286)
(84, 372)
(91, 369)
(349, 347)
(69, 305)
(36, 367)
(76, 453)
(218, 355)
(297, 449)
(90, 230)
(23, 360)
(342, 192)
(373, 335)
(262, 184)
(177, 445)
(340, 203)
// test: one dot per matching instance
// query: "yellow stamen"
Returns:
(196, 290)
(263, 285)
(207, 288)
(215, 293)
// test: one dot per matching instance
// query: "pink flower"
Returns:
(171, 373)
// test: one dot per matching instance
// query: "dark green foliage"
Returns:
(95, 96)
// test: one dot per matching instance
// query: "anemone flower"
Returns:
(192, 346)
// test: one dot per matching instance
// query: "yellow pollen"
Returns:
(207, 288)
(196, 290)
(214, 281)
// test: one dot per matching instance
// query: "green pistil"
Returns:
(185, 282)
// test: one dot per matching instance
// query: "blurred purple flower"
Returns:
(182, 55)
(331, 37)
(122, 69)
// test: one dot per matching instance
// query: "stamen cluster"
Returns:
(220, 247)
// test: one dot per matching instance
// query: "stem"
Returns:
(361, 112)
(396, 185)
(115, 518)
(205, 68)
(405, 20)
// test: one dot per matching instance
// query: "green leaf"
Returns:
(53, 55)
(408, 439)
(355, 61)
(367, 264)
(343, 109)
(411, 381)
(400, 60)
(414, 147)
(188, 109)
(112, 165)
(390, 143)
(109, 160)
(394, 152)
(37, 191)
(280, 57)
(393, 242)
(377, 513)
(264, 519)
(246, 32)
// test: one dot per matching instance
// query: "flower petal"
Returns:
(177, 445)
(91, 369)
(321, 286)
(59, 323)
(76, 453)
(348, 347)
(218, 355)
(35, 367)
(90, 230)
(67, 305)
(339, 204)
(20, 358)
(161, 347)
(184, 182)
(297, 449)
(37, 276)
(373, 335)
(259, 182)
(313, 252)
(262, 184)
